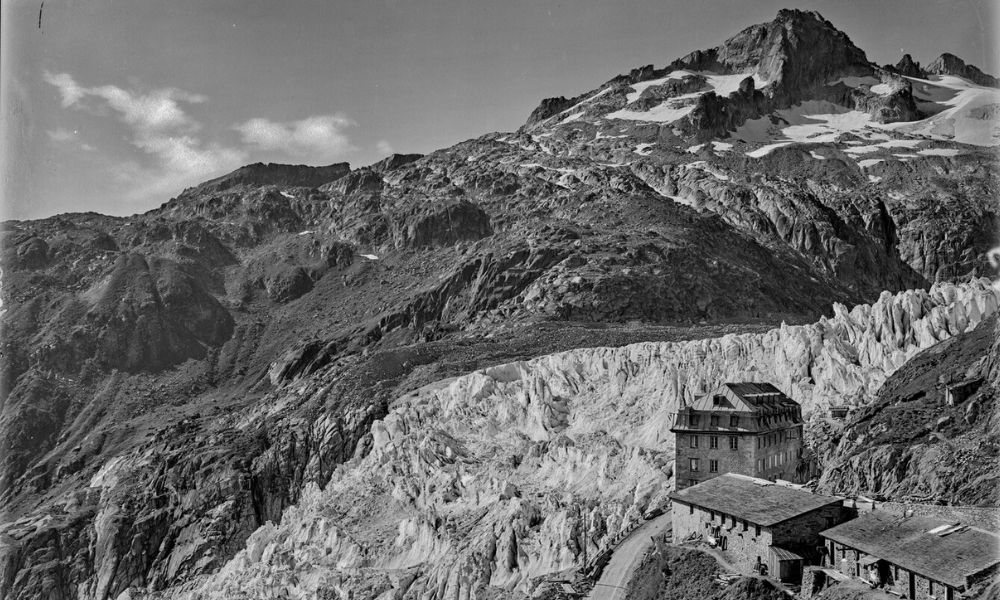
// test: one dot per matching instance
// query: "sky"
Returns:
(116, 106)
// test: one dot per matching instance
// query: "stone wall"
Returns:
(803, 531)
(739, 461)
(745, 541)
(743, 460)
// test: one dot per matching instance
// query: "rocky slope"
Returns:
(908, 444)
(173, 381)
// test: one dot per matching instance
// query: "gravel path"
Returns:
(615, 578)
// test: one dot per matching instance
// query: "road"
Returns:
(615, 578)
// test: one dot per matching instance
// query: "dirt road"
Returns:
(615, 578)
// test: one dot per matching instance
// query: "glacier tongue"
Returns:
(520, 470)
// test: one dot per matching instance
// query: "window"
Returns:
(717, 401)
(734, 421)
(746, 526)
(691, 509)
(694, 464)
(692, 482)
(760, 464)
(713, 441)
(756, 530)
(714, 420)
(734, 442)
(713, 466)
(694, 420)
(694, 441)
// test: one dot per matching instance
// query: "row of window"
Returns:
(777, 437)
(722, 517)
(694, 420)
(775, 460)
(713, 465)
(713, 420)
(713, 441)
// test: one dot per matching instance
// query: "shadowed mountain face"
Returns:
(911, 444)
(238, 342)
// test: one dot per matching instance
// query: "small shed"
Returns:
(839, 412)
(789, 563)
(958, 393)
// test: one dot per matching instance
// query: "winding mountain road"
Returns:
(626, 558)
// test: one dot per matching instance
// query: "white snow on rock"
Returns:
(644, 149)
(812, 122)
(816, 155)
(666, 112)
(765, 150)
(883, 89)
(581, 103)
(676, 108)
(703, 166)
(721, 146)
(571, 118)
(939, 152)
(864, 164)
(961, 111)
(287, 195)
(370, 256)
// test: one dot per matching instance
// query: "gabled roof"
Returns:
(745, 397)
(761, 394)
(905, 541)
(755, 500)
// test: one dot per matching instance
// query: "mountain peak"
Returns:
(907, 67)
(949, 64)
(795, 14)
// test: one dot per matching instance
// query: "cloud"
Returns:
(161, 128)
(384, 147)
(68, 88)
(61, 135)
(320, 137)
(65, 137)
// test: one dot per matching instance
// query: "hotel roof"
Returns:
(755, 500)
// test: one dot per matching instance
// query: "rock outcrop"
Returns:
(909, 444)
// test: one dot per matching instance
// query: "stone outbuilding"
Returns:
(915, 557)
(757, 522)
